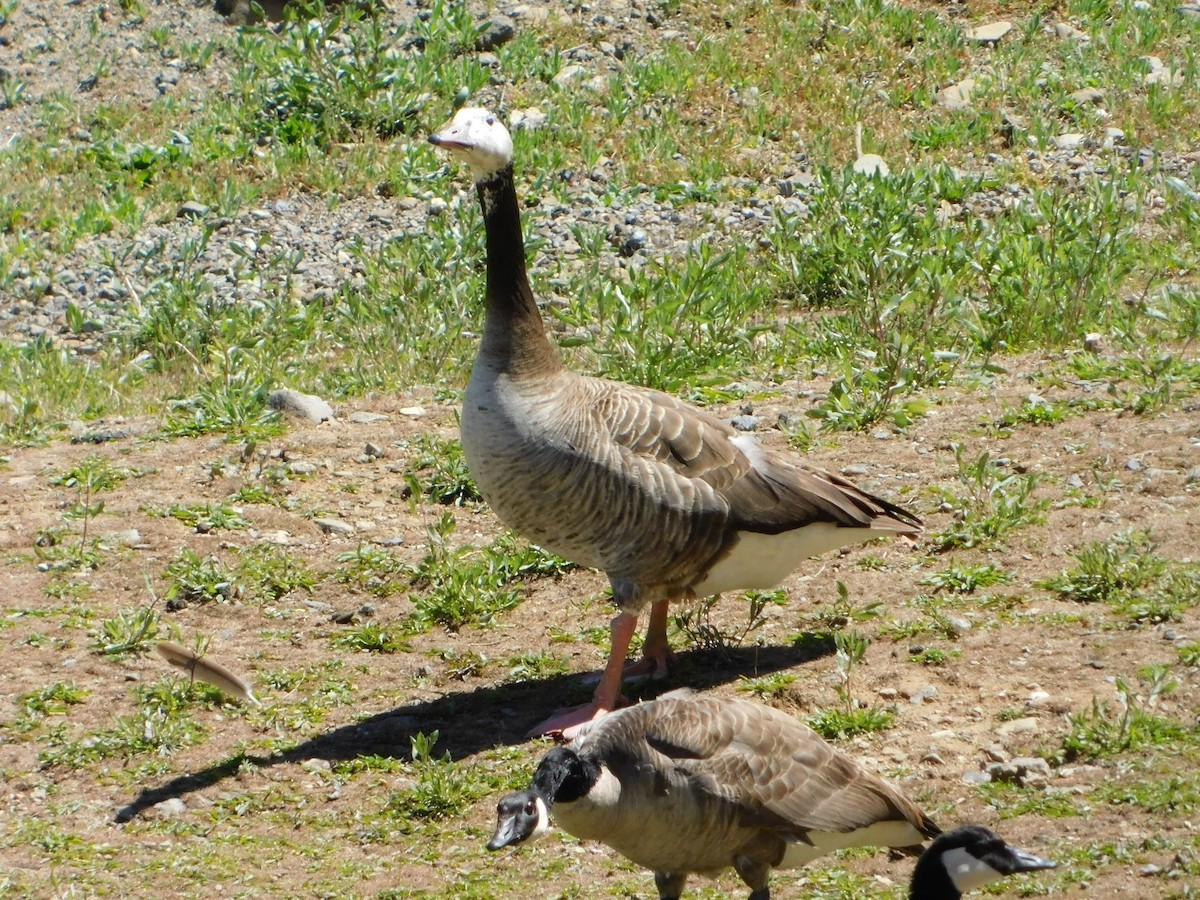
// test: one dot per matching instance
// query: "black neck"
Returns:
(563, 776)
(931, 881)
(513, 331)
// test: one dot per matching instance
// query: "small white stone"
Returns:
(989, 34)
(955, 96)
(1069, 141)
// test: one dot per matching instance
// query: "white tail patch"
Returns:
(966, 871)
(761, 561)
(879, 834)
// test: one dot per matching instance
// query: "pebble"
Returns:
(745, 423)
(192, 210)
(334, 526)
(974, 776)
(362, 417)
(1093, 342)
(955, 96)
(924, 695)
(989, 34)
(499, 31)
(170, 808)
(1084, 96)
(304, 406)
(1069, 141)
(1026, 725)
(1070, 32)
(530, 119)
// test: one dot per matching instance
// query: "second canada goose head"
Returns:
(477, 137)
(524, 815)
(967, 858)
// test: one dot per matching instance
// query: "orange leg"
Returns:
(656, 650)
(608, 692)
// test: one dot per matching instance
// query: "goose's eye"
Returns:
(491, 120)
(530, 808)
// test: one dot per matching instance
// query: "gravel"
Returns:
(106, 277)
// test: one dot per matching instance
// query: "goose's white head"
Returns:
(476, 137)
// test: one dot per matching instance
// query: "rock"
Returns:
(634, 241)
(170, 808)
(1070, 33)
(192, 210)
(437, 206)
(567, 74)
(958, 625)
(304, 406)
(302, 467)
(1193, 476)
(1069, 141)
(374, 451)
(745, 423)
(1113, 136)
(128, 537)
(334, 526)
(1149, 869)
(988, 34)
(856, 470)
(362, 417)
(955, 96)
(1026, 725)
(1093, 342)
(1084, 96)
(500, 30)
(924, 694)
(1029, 771)
(529, 119)
(413, 412)
(974, 776)
(1134, 465)
(1162, 74)
(996, 753)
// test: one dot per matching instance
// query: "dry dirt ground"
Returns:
(1026, 655)
(1067, 651)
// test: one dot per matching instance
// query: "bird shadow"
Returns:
(471, 721)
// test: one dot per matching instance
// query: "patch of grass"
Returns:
(767, 687)
(966, 579)
(536, 667)
(192, 578)
(441, 472)
(370, 569)
(1012, 801)
(1126, 573)
(441, 788)
(205, 517)
(1106, 569)
(1104, 731)
(853, 717)
(933, 656)
(696, 624)
(371, 638)
(267, 572)
(129, 631)
(992, 507)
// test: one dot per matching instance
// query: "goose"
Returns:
(966, 858)
(668, 500)
(689, 784)
(695, 784)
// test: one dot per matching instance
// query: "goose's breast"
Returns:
(530, 467)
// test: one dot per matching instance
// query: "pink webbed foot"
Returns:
(566, 723)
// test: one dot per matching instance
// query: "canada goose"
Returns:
(966, 858)
(668, 500)
(687, 783)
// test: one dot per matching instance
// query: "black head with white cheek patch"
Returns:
(972, 856)
(520, 816)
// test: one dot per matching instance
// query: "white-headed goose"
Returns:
(690, 784)
(668, 500)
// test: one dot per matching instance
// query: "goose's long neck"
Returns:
(514, 337)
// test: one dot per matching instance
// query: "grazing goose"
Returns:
(966, 858)
(668, 500)
(687, 783)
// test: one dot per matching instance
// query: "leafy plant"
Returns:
(852, 718)
(129, 631)
(1108, 569)
(993, 506)
(1103, 732)
(205, 517)
(963, 579)
(371, 638)
(441, 788)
